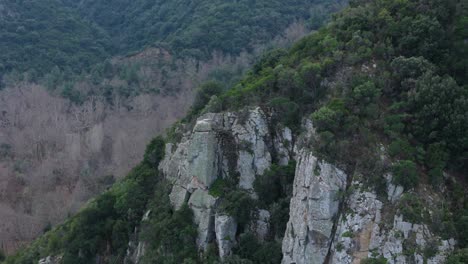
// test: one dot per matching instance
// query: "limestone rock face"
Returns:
(362, 233)
(313, 207)
(261, 225)
(394, 191)
(333, 217)
(50, 260)
(220, 146)
(225, 228)
(202, 205)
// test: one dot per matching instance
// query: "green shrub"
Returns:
(275, 183)
(203, 95)
(412, 209)
(380, 260)
(348, 234)
(329, 118)
(155, 151)
(435, 159)
(461, 224)
(394, 125)
(250, 248)
(458, 257)
(401, 148)
(239, 204)
(170, 235)
(279, 217)
(219, 187)
(405, 173)
(287, 112)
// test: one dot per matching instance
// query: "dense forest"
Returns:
(381, 72)
(69, 37)
(37, 36)
(196, 28)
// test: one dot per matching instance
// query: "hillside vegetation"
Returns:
(384, 73)
(38, 36)
(62, 40)
(197, 28)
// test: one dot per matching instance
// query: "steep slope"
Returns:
(74, 117)
(349, 148)
(197, 28)
(36, 36)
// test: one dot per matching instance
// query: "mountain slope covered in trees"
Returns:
(382, 75)
(74, 35)
(196, 28)
(84, 86)
(37, 36)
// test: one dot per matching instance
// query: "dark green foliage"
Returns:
(402, 149)
(249, 248)
(219, 187)
(287, 112)
(461, 224)
(203, 95)
(439, 108)
(459, 257)
(436, 160)
(274, 189)
(405, 173)
(37, 36)
(170, 235)
(275, 183)
(412, 208)
(239, 204)
(196, 28)
(154, 152)
(380, 260)
(279, 216)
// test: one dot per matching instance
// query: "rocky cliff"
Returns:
(218, 146)
(334, 217)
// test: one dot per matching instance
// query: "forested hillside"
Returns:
(70, 36)
(37, 36)
(383, 86)
(197, 28)
(85, 85)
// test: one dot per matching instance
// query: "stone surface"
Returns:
(50, 260)
(261, 225)
(362, 233)
(394, 192)
(219, 146)
(225, 228)
(202, 205)
(355, 229)
(313, 207)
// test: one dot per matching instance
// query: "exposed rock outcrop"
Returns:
(261, 225)
(50, 260)
(362, 233)
(332, 219)
(220, 146)
(313, 208)
(225, 228)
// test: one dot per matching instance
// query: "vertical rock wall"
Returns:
(219, 146)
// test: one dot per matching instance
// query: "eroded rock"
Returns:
(313, 207)
(225, 228)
